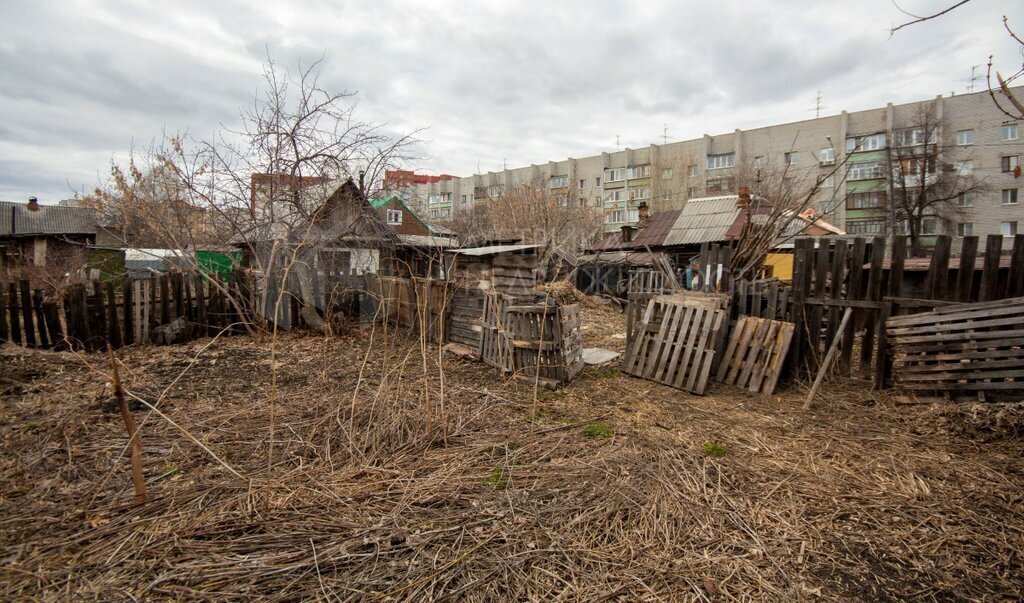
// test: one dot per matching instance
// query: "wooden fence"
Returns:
(91, 316)
(408, 301)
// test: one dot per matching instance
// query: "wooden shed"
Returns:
(508, 269)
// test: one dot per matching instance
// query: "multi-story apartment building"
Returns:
(850, 156)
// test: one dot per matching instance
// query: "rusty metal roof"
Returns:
(651, 234)
(17, 220)
(704, 220)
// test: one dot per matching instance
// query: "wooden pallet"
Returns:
(961, 348)
(674, 344)
(756, 353)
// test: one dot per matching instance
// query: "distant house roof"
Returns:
(704, 220)
(433, 228)
(651, 234)
(716, 219)
(17, 220)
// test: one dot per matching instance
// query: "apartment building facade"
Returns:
(848, 158)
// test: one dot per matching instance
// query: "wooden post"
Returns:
(938, 270)
(113, 325)
(133, 434)
(990, 272)
(53, 325)
(128, 305)
(874, 293)
(12, 304)
(827, 362)
(165, 306)
(26, 314)
(965, 272)
(4, 332)
(821, 266)
(100, 330)
(883, 359)
(1015, 282)
(801, 275)
(37, 307)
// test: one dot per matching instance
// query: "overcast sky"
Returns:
(503, 82)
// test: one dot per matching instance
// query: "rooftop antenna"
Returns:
(617, 147)
(817, 105)
(664, 134)
(504, 163)
(974, 77)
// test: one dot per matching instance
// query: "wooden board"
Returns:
(963, 348)
(756, 353)
(674, 344)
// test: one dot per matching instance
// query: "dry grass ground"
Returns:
(387, 479)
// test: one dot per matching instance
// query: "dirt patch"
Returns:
(368, 473)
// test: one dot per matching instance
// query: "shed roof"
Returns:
(493, 249)
(704, 220)
(650, 234)
(17, 220)
(411, 240)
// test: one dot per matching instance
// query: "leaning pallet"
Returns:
(756, 353)
(961, 348)
(674, 344)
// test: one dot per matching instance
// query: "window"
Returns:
(394, 216)
(640, 193)
(827, 156)
(791, 157)
(964, 138)
(1009, 196)
(633, 215)
(866, 200)
(494, 190)
(929, 226)
(563, 200)
(433, 213)
(1009, 163)
(446, 197)
(828, 181)
(865, 226)
(917, 166)
(445, 212)
(1008, 229)
(638, 171)
(615, 217)
(910, 137)
(760, 161)
(691, 171)
(558, 182)
(965, 229)
(866, 170)
(691, 192)
(666, 174)
(433, 199)
(965, 168)
(1009, 132)
(583, 201)
(597, 181)
(721, 185)
(872, 142)
(724, 160)
(614, 175)
(617, 195)
(965, 199)
(583, 182)
(465, 199)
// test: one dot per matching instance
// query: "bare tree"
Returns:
(924, 188)
(269, 186)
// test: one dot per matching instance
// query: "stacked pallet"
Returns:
(756, 353)
(674, 343)
(464, 323)
(960, 348)
(513, 274)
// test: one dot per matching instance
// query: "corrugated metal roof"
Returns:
(492, 249)
(18, 221)
(703, 220)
